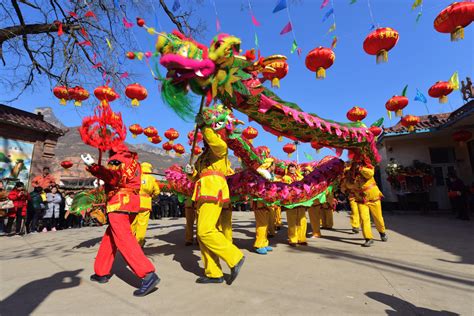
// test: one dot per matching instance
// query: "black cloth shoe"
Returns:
(149, 282)
(383, 236)
(368, 243)
(355, 230)
(292, 244)
(304, 243)
(234, 272)
(205, 280)
(101, 279)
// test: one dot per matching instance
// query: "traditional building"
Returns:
(428, 154)
(27, 143)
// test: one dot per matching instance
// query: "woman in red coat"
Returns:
(20, 200)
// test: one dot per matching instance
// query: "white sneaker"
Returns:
(45, 230)
(53, 229)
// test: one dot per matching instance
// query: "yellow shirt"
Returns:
(367, 189)
(149, 188)
(212, 167)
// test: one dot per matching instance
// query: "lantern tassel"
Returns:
(251, 141)
(399, 113)
(276, 83)
(289, 155)
(134, 136)
(62, 101)
(382, 57)
(135, 102)
(149, 139)
(389, 114)
(443, 99)
(280, 138)
(411, 128)
(78, 103)
(320, 73)
(458, 34)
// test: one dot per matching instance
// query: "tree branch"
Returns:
(172, 17)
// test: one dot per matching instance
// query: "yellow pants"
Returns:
(213, 243)
(224, 224)
(271, 220)
(327, 217)
(262, 216)
(139, 226)
(278, 222)
(296, 219)
(315, 213)
(190, 214)
(355, 218)
(374, 208)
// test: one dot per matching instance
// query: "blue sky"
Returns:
(421, 57)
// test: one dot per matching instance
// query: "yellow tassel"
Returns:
(382, 56)
(171, 142)
(280, 138)
(178, 154)
(78, 103)
(135, 102)
(251, 141)
(411, 128)
(134, 135)
(62, 101)
(289, 155)
(276, 83)
(139, 55)
(320, 73)
(149, 139)
(443, 99)
(389, 115)
(458, 34)
(399, 113)
(151, 31)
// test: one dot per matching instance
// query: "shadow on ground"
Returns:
(402, 307)
(28, 297)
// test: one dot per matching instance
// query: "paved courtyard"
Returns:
(426, 268)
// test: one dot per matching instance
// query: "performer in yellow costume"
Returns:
(348, 187)
(224, 224)
(327, 210)
(190, 215)
(295, 217)
(317, 212)
(368, 198)
(210, 194)
(148, 190)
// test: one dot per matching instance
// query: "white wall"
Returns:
(405, 149)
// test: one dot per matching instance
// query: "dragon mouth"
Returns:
(186, 68)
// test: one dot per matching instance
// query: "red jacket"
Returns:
(20, 201)
(122, 184)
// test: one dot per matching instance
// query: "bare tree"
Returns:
(72, 42)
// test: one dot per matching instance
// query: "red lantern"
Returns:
(317, 146)
(136, 92)
(396, 104)
(263, 151)
(78, 94)
(62, 93)
(171, 134)
(454, 18)
(150, 132)
(289, 149)
(440, 90)
(167, 147)
(462, 136)
(376, 130)
(356, 114)
(275, 69)
(320, 59)
(197, 150)
(191, 137)
(130, 55)
(156, 139)
(140, 22)
(179, 149)
(135, 129)
(105, 94)
(250, 133)
(410, 121)
(379, 42)
(66, 164)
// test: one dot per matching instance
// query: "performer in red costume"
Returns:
(121, 178)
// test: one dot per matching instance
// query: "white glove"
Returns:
(189, 169)
(88, 160)
(265, 173)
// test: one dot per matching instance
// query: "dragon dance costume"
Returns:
(296, 217)
(211, 193)
(348, 187)
(121, 179)
(148, 190)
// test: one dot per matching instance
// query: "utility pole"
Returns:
(297, 153)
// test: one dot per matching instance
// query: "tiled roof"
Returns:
(13, 116)
(426, 122)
